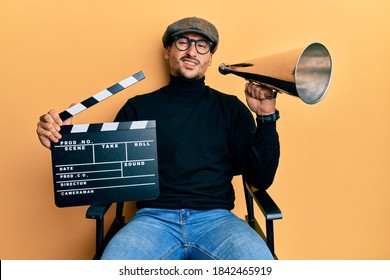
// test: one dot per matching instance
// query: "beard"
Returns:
(189, 75)
(179, 73)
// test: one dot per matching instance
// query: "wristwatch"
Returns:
(269, 118)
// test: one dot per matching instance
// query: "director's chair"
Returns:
(263, 200)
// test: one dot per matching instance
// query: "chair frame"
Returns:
(97, 212)
(269, 209)
(263, 200)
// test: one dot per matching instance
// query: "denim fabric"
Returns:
(185, 234)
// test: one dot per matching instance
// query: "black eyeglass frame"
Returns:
(211, 44)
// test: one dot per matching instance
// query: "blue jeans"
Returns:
(185, 234)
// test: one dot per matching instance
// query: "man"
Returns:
(204, 138)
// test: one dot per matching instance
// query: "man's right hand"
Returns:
(49, 126)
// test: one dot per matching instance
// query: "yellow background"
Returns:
(334, 178)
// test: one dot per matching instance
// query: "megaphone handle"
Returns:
(274, 91)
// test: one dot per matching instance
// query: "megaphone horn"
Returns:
(304, 72)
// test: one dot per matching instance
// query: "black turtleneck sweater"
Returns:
(204, 138)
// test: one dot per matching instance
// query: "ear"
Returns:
(167, 52)
(210, 59)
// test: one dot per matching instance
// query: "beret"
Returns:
(191, 25)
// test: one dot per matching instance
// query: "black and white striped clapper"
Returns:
(93, 100)
(105, 163)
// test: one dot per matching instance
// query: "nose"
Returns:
(192, 49)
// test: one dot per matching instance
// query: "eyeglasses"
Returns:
(184, 43)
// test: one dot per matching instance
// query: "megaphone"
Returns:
(305, 72)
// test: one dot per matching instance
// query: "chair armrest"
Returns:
(97, 211)
(264, 201)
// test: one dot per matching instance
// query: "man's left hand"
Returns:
(260, 99)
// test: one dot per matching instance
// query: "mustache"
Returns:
(189, 58)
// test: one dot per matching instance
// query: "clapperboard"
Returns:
(106, 162)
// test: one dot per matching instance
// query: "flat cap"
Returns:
(192, 25)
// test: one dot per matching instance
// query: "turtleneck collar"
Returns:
(182, 87)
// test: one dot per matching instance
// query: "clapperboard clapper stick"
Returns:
(103, 163)
(93, 100)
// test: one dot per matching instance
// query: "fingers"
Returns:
(52, 117)
(48, 128)
(56, 117)
(260, 99)
(258, 91)
(45, 136)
